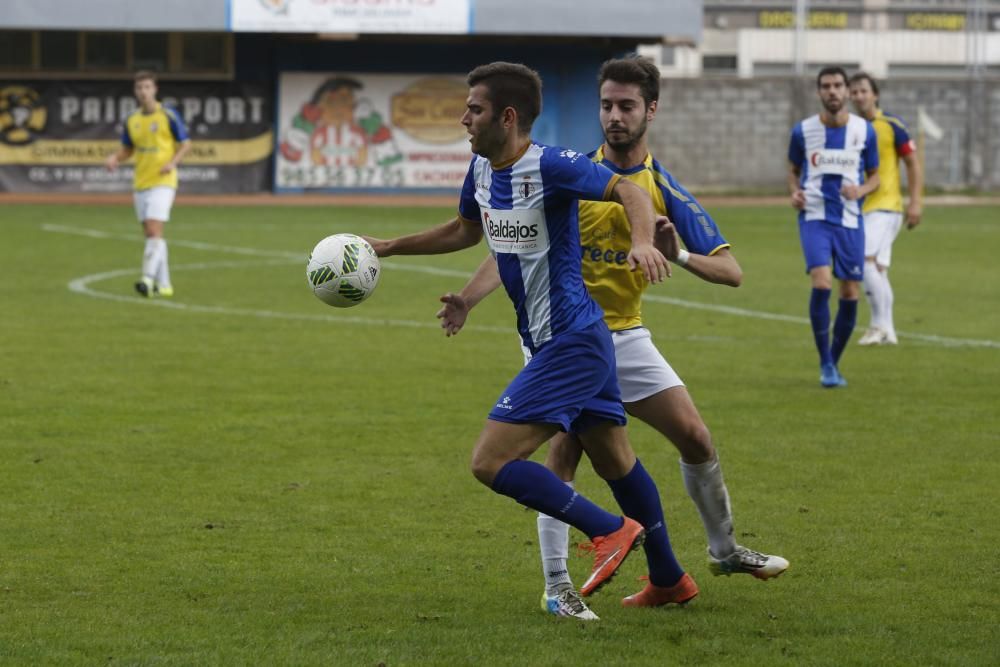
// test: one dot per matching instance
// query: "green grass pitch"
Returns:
(244, 475)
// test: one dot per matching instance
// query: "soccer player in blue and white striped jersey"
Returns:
(523, 196)
(833, 159)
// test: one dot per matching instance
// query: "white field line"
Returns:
(82, 286)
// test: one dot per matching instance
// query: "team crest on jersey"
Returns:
(526, 188)
(154, 126)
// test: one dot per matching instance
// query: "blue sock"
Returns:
(535, 486)
(843, 327)
(640, 500)
(819, 315)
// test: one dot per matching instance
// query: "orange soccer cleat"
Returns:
(683, 591)
(610, 552)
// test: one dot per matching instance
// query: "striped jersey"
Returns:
(894, 142)
(830, 157)
(606, 236)
(528, 210)
(153, 137)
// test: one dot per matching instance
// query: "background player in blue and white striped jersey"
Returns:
(652, 391)
(833, 160)
(523, 197)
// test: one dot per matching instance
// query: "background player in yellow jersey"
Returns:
(883, 209)
(156, 136)
(651, 390)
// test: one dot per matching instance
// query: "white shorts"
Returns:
(642, 370)
(154, 203)
(881, 229)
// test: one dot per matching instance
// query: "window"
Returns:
(66, 54)
(58, 50)
(16, 49)
(719, 64)
(105, 51)
(203, 51)
(150, 51)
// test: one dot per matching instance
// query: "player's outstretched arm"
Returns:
(720, 267)
(455, 235)
(642, 218)
(456, 307)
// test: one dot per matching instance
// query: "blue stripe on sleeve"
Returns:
(177, 128)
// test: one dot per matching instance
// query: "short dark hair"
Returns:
(633, 69)
(144, 75)
(832, 69)
(511, 85)
(334, 84)
(864, 76)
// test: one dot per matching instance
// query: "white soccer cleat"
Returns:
(874, 336)
(747, 561)
(567, 602)
(890, 338)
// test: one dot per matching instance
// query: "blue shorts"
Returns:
(823, 242)
(571, 382)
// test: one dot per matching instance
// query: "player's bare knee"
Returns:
(484, 468)
(695, 444)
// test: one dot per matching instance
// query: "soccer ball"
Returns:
(343, 270)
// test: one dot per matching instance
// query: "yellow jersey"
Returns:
(606, 238)
(894, 142)
(153, 138)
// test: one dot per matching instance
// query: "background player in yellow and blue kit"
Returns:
(156, 136)
(651, 390)
(884, 208)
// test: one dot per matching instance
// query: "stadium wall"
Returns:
(732, 134)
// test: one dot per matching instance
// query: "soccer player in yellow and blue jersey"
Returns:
(651, 390)
(156, 136)
(883, 210)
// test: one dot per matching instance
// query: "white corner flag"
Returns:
(927, 125)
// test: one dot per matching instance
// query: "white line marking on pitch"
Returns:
(80, 285)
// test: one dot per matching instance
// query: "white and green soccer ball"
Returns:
(343, 270)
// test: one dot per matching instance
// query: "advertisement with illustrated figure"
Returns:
(371, 131)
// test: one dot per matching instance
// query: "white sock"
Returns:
(163, 268)
(887, 298)
(874, 292)
(707, 489)
(553, 540)
(149, 259)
